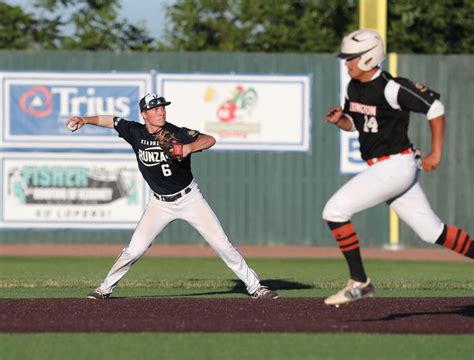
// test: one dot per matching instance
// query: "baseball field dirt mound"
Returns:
(379, 315)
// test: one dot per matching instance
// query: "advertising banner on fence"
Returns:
(35, 105)
(243, 112)
(350, 159)
(57, 190)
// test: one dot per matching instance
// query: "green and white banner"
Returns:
(71, 190)
(243, 112)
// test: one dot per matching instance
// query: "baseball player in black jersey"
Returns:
(378, 107)
(163, 153)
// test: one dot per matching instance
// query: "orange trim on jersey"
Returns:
(386, 157)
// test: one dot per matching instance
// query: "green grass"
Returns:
(234, 346)
(72, 277)
(28, 277)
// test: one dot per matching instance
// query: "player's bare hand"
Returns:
(334, 114)
(187, 149)
(430, 162)
(75, 123)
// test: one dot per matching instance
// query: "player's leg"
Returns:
(373, 186)
(199, 214)
(457, 240)
(414, 208)
(153, 221)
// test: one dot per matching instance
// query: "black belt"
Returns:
(174, 197)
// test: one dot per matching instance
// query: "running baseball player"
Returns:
(163, 153)
(378, 107)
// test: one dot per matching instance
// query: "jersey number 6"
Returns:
(370, 124)
(166, 170)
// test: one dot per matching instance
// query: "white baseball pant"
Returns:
(393, 181)
(194, 209)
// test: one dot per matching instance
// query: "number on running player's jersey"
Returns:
(370, 124)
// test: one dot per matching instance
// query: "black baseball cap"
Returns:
(150, 101)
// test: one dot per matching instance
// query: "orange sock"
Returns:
(346, 237)
(457, 240)
(348, 242)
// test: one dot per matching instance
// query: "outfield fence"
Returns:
(273, 197)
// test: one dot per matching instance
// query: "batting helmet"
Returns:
(367, 44)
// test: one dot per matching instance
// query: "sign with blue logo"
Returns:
(36, 105)
(351, 162)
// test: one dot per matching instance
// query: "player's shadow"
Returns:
(239, 288)
(465, 310)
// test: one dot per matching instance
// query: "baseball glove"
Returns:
(170, 146)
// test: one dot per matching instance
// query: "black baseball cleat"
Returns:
(98, 294)
(264, 293)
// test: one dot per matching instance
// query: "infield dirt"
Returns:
(444, 315)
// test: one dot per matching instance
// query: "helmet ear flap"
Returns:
(371, 59)
(364, 64)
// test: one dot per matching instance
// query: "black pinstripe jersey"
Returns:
(164, 175)
(380, 111)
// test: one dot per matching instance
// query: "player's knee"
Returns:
(134, 252)
(221, 243)
(333, 212)
(430, 235)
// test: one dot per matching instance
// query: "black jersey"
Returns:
(164, 175)
(380, 111)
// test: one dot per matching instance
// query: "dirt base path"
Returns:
(255, 251)
(378, 315)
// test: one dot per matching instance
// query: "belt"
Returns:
(173, 197)
(386, 157)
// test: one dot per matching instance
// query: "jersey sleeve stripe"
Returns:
(436, 109)
(415, 95)
(391, 94)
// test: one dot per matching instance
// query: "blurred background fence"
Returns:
(278, 197)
